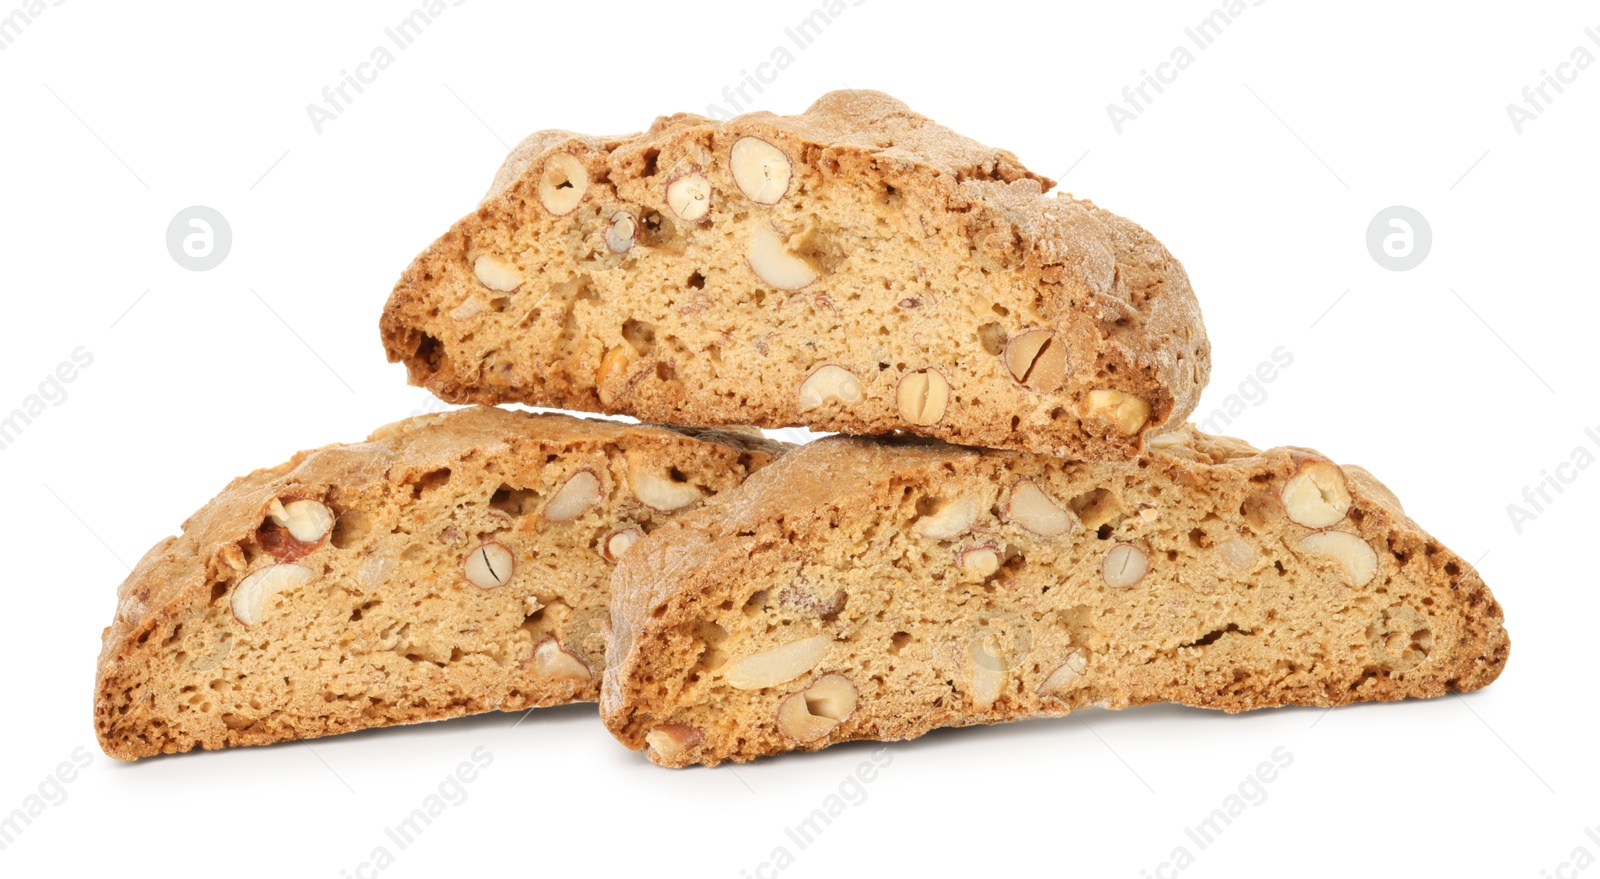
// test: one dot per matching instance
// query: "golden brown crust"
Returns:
(1278, 623)
(961, 234)
(175, 659)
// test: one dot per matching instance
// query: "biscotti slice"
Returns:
(856, 268)
(451, 564)
(862, 589)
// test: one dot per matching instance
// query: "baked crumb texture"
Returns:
(451, 564)
(871, 589)
(856, 268)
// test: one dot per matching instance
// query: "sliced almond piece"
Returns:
(988, 678)
(829, 382)
(1065, 675)
(777, 665)
(759, 169)
(577, 494)
(1033, 510)
(1169, 440)
(672, 740)
(1239, 554)
(772, 262)
(952, 519)
(612, 375)
(812, 713)
(254, 593)
(551, 660)
(657, 490)
(1358, 560)
(496, 273)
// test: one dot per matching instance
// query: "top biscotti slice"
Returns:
(862, 589)
(856, 268)
(451, 564)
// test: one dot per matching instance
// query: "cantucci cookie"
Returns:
(451, 564)
(862, 589)
(856, 268)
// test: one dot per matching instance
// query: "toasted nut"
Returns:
(1353, 555)
(1237, 553)
(612, 375)
(397, 429)
(490, 565)
(563, 183)
(814, 712)
(1127, 412)
(922, 396)
(495, 273)
(306, 521)
(1316, 495)
(621, 231)
(1033, 510)
(760, 170)
(826, 383)
(989, 669)
(996, 644)
(1037, 360)
(233, 556)
(980, 561)
(251, 596)
(620, 541)
(580, 492)
(656, 490)
(952, 519)
(552, 660)
(375, 570)
(689, 196)
(294, 530)
(672, 740)
(1124, 565)
(1167, 440)
(778, 665)
(772, 262)
(469, 309)
(1065, 675)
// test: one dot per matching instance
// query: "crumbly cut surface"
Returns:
(856, 268)
(863, 589)
(451, 564)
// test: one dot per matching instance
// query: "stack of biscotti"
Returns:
(855, 269)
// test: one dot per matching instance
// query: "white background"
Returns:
(1457, 382)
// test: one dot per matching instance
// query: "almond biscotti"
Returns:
(451, 564)
(856, 268)
(863, 589)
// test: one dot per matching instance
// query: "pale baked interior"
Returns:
(857, 268)
(452, 564)
(864, 589)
